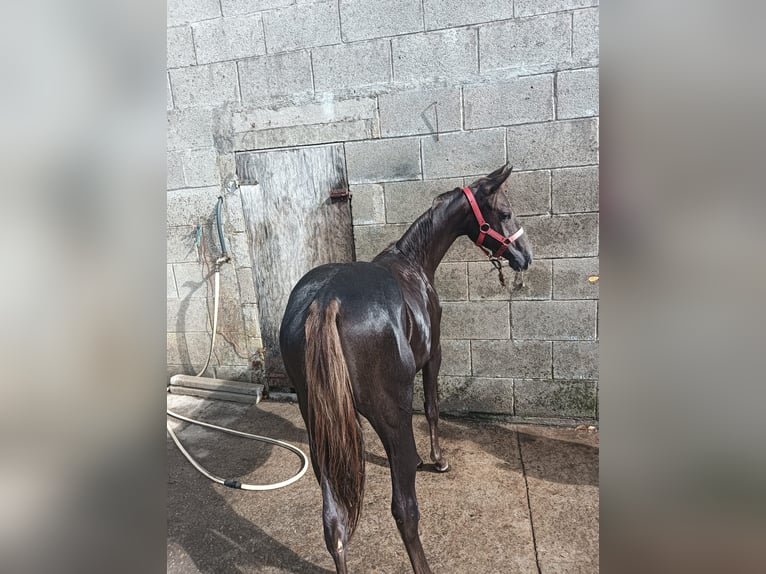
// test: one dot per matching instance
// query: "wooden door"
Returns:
(293, 226)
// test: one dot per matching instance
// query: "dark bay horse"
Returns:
(354, 335)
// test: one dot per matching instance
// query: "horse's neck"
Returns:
(427, 240)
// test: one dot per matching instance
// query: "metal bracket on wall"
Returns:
(340, 194)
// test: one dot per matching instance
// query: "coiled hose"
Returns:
(224, 258)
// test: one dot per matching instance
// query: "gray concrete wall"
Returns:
(512, 80)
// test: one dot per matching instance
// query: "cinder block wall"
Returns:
(426, 95)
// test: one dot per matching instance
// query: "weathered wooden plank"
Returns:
(293, 226)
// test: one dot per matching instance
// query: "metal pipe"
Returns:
(219, 224)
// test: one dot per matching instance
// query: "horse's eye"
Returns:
(505, 216)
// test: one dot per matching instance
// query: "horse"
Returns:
(354, 335)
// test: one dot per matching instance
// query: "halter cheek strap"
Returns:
(485, 229)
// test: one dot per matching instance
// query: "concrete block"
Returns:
(451, 13)
(553, 144)
(571, 278)
(180, 47)
(246, 284)
(577, 93)
(519, 101)
(407, 200)
(575, 189)
(186, 315)
(175, 170)
(243, 374)
(231, 349)
(448, 54)
(216, 395)
(485, 285)
(414, 112)
(533, 7)
(383, 160)
(575, 359)
(302, 26)
(585, 36)
(233, 215)
(529, 192)
(208, 85)
(267, 77)
(190, 280)
(239, 248)
(563, 235)
(325, 112)
(229, 38)
(352, 65)
(368, 205)
(533, 284)
(305, 135)
(180, 244)
(530, 44)
(252, 320)
(365, 19)
(451, 281)
(184, 11)
(189, 350)
(572, 399)
(369, 240)
(170, 283)
(464, 250)
(189, 128)
(461, 395)
(239, 7)
(476, 320)
(200, 167)
(456, 357)
(227, 163)
(463, 153)
(191, 206)
(230, 308)
(554, 320)
(517, 359)
(175, 349)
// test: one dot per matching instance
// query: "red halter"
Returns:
(485, 229)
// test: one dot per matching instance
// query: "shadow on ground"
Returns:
(549, 453)
(518, 499)
(205, 534)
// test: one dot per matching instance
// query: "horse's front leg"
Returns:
(430, 391)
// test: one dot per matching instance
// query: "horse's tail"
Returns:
(335, 436)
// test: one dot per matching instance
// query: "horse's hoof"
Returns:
(444, 467)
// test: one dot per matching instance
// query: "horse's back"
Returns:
(371, 324)
(361, 288)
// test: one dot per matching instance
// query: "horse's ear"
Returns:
(497, 178)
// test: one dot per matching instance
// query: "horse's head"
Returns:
(495, 208)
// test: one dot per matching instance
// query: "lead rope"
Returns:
(518, 276)
(499, 266)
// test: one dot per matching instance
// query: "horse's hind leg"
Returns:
(399, 443)
(430, 392)
(335, 528)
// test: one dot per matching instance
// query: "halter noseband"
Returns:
(485, 229)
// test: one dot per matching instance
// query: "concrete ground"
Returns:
(518, 498)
